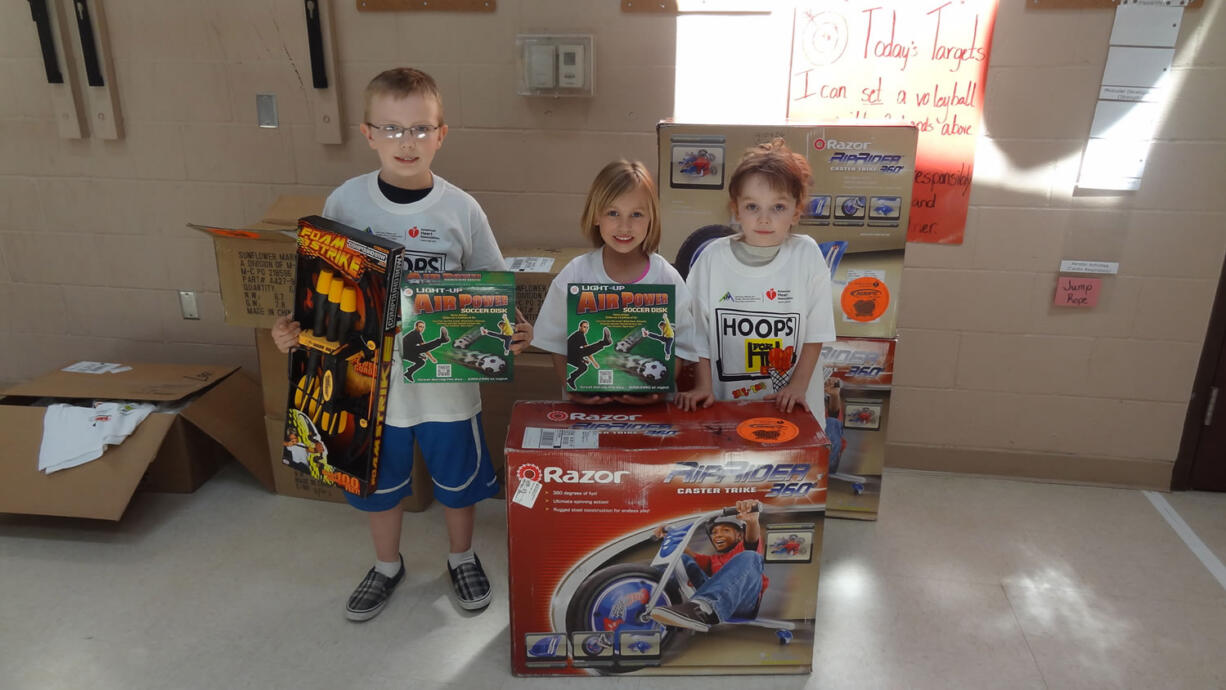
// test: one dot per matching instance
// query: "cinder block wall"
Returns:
(92, 236)
(991, 379)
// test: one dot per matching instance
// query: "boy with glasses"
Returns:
(443, 230)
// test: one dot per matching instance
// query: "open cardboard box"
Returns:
(256, 263)
(170, 451)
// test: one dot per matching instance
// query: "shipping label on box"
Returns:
(616, 514)
(347, 297)
(457, 327)
(620, 338)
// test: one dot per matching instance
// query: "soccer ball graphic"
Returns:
(491, 365)
(653, 371)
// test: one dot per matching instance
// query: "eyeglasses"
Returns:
(396, 131)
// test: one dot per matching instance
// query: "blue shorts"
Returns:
(455, 454)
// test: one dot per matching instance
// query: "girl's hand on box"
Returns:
(582, 399)
(693, 399)
(790, 397)
(523, 333)
(640, 399)
(285, 333)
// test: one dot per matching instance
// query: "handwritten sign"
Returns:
(1075, 291)
(918, 62)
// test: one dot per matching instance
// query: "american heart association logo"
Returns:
(414, 232)
(771, 294)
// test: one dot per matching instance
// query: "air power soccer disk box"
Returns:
(606, 503)
(620, 338)
(457, 327)
(346, 298)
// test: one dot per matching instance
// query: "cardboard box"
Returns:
(274, 374)
(534, 270)
(170, 451)
(588, 486)
(620, 338)
(534, 379)
(860, 375)
(255, 263)
(458, 327)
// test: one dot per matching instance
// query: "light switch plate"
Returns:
(266, 110)
(187, 304)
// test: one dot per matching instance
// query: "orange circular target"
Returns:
(767, 430)
(865, 299)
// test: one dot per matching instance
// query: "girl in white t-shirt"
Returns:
(621, 219)
(762, 305)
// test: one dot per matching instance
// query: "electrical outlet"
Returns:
(187, 304)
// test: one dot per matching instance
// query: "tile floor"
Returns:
(963, 583)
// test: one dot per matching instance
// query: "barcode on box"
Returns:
(537, 437)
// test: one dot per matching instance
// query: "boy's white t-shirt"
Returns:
(740, 311)
(549, 333)
(446, 231)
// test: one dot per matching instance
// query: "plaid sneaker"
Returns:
(371, 595)
(471, 586)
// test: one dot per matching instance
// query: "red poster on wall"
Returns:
(903, 62)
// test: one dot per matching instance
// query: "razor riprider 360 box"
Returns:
(346, 300)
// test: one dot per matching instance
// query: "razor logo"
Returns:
(425, 262)
(561, 476)
(845, 145)
(590, 417)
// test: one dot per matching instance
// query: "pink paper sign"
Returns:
(1074, 291)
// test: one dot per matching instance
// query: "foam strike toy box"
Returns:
(457, 327)
(619, 516)
(346, 298)
(620, 338)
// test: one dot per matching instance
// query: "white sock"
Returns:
(455, 559)
(387, 568)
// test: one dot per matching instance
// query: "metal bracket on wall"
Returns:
(652, 6)
(49, 21)
(321, 46)
(695, 7)
(430, 5)
(88, 27)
